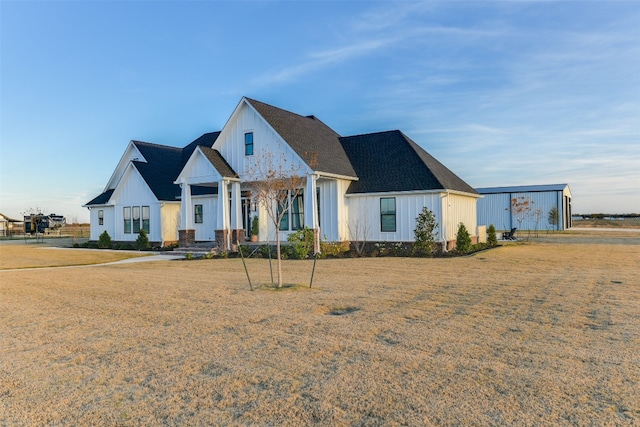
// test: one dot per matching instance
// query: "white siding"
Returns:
(230, 143)
(207, 230)
(458, 209)
(131, 153)
(134, 191)
(366, 209)
(333, 210)
(108, 223)
(198, 170)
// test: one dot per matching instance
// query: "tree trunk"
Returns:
(278, 255)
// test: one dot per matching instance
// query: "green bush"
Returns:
(463, 239)
(104, 241)
(424, 233)
(142, 242)
(301, 244)
(492, 239)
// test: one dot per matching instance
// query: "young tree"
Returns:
(520, 208)
(104, 240)
(463, 239)
(274, 183)
(424, 233)
(537, 216)
(492, 239)
(142, 242)
(554, 217)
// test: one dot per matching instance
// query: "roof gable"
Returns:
(218, 162)
(204, 166)
(158, 165)
(390, 161)
(311, 139)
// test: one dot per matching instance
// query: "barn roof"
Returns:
(522, 189)
(391, 161)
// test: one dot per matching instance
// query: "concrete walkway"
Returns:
(163, 257)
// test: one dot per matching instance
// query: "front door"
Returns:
(246, 216)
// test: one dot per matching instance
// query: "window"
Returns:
(127, 219)
(293, 219)
(136, 219)
(282, 206)
(100, 217)
(133, 221)
(197, 212)
(388, 214)
(145, 218)
(297, 212)
(248, 144)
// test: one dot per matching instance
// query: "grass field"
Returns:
(542, 333)
(38, 256)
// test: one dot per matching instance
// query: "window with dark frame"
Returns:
(388, 214)
(135, 216)
(197, 212)
(248, 144)
(297, 212)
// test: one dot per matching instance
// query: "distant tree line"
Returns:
(604, 215)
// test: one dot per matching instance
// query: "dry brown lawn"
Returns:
(13, 256)
(526, 334)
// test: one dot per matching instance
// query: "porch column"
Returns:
(311, 210)
(222, 221)
(237, 230)
(187, 234)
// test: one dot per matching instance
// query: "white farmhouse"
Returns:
(374, 183)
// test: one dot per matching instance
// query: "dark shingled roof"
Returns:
(219, 162)
(391, 161)
(309, 138)
(163, 166)
(101, 199)
(205, 140)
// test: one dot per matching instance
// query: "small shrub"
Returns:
(142, 242)
(301, 244)
(333, 249)
(104, 241)
(463, 239)
(492, 239)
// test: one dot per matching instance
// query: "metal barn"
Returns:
(498, 207)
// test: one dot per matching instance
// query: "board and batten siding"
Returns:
(457, 209)
(108, 221)
(333, 210)
(230, 143)
(206, 231)
(365, 210)
(134, 191)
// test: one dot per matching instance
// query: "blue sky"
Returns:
(502, 93)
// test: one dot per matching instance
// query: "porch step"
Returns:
(197, 249)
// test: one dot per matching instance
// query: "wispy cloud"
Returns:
(317, 60)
